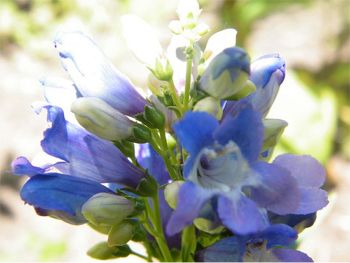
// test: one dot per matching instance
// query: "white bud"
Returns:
(100, 118)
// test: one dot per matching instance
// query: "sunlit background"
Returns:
(312, 36)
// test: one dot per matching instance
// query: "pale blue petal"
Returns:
(241, 215)
(304, 168)
(277, 191)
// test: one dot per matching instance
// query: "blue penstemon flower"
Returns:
(185, 171)
(223, 165)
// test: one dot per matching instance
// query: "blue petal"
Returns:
(195, 131)
(88, 156)
(246, 130)
(230, 249)
(95, 76)
(190, 200)
(304, 168)
(298, 222)
(278, 191)
(149, 159)
(60, 195)
(279, 235)
(290, 255)
(241, 215)
(312, 200)
(21, 166)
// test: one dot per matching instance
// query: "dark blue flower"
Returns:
(81, 154)
(60, 196)
(264, 246)
(95, 76)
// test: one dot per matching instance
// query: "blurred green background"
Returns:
(313, 37)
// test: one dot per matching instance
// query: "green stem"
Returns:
(139, 255)
(156, 230)
(188, 243)
(161, 237)
(175, 97)
(165, 145)
(187, 83)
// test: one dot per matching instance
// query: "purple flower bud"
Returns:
(267, 73)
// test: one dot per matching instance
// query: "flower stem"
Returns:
(175, 97)
(161, 237)
(156, 228)
(140, 255)
(188, 82)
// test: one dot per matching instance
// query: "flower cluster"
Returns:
(186, 169)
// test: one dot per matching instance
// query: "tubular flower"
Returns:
(81, 154)
(267, 73)
(94, 76)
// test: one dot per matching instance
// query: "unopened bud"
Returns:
(267, 73)
(162, 69)
(210, 105)
(273, 131)
(120, 234)
(107, 209)
(226, 74)
(98, 117)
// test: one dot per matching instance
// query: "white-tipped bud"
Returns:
(107, 209)
(210, 105)
(227, 73)
(141, 39)
(218, 42)
(100, 118)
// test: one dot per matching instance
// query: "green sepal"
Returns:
(205, 239)
(148, 186)
(141, 134)
(248, 89)
(103, 251)
(208, 226)
(126, 147)
(155, 117)
(139, 233)
(166, 99)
